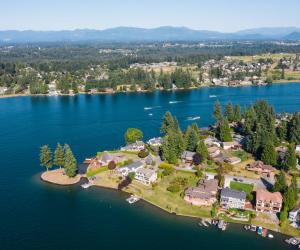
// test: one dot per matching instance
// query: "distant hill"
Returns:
(131, 34)
(293, 36)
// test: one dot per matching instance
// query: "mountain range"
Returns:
(131, 34)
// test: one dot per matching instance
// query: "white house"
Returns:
(297, 148)
(155, 142)
(136, 146)
(130, 168)
(146, 176)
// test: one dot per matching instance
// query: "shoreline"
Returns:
(149, 91)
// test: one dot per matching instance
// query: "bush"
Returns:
(143, 154)
(174, 188)
(167, 172)
(199, 173)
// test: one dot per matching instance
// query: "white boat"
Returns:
(212, 96)
(271, 236)
(222, 225)
(150, 114)
(86, 185)
(147, 108)
(132, 199)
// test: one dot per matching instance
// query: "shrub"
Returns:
(143, 154)
(174, 188)
(112, 165)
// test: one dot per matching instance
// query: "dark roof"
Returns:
(228, 192)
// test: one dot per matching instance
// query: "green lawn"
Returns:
(91, 173)
(247, 188)
(171, 202)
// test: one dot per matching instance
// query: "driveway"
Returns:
(258, 183)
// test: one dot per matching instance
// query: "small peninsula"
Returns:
(242, 169)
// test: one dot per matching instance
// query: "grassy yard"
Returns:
(247, 188)
(171, 202)
(91, 173)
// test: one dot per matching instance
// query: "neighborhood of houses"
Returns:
(208, 190)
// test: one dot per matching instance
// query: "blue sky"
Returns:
(221, 15)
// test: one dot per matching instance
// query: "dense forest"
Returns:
(34, 66)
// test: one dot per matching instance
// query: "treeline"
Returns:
(144, 79)
(63, 157)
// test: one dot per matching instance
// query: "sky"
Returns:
(218, 15)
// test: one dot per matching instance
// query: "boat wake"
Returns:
(173, 102)
(193, 118)
(149, 108)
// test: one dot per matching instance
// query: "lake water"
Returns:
(36, 215)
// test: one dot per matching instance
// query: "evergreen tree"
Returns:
(46, 157)
(59, 156)
(282, 131)
(70, 163)
(173, 146)
(202, 151)
(224, 131)
(280, 183)
(218, 111)
(294, 129)
(229, 112)
(237, 113)
(269, 155)
(283, 215)
(168, 123)
(290, 159)
(191, 138)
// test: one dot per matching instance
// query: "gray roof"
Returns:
(133, 166)
(187, 155)
(232, 193)
(106, 157)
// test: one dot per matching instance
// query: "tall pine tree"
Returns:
(70, 163)
(46, 157)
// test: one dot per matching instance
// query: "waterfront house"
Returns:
(213, 151)
(268, 202)
(155, 142)
(232, 160)
(146, 176)
(212, 141)
(149, 159)
(204, 194)
(130, 168)
(231, 198)
(188, 156)
(294, 216)
(136, 146)
(105, 158)
(260, 167)
(231, 145)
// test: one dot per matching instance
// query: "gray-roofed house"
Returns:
(231, 198)
(130, 168)
(188, 156)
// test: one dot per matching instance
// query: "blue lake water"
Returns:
(36, 215)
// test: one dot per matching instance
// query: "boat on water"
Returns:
(173, 102)
(86, 185)
(264, 232)
(150, 114)
(132, 199)
(292, 241)
(222, 225)
(253, 228)
(193, 118)
(259, 230)
(212, 96)
(271, 236)
(247, 227)
(147, 108)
